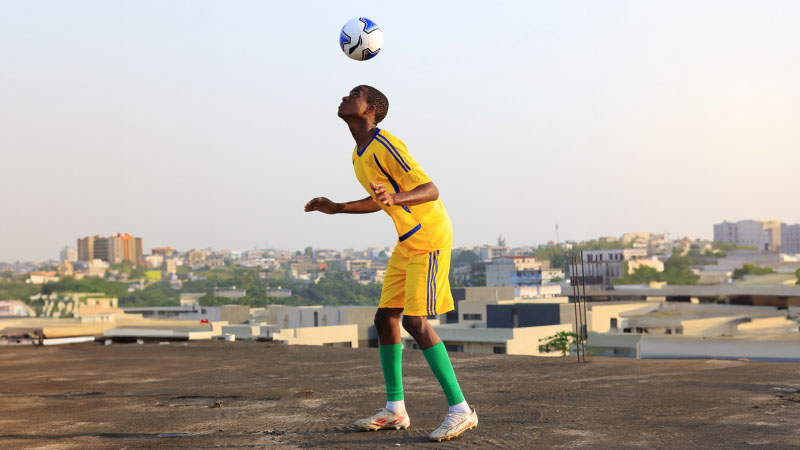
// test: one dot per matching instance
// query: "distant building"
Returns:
(638, 236)
(233, 314)
(154, 261)
(68, 254)
(230, 292)
(15, 308)
(303, 268)
(278, 293)
(252, 254)
(354, 265)
(164, 251)
(322, 254)
(42, 277)
(92, 268)
(519, 271)
(113, 249)
(365, 276)
(490, 252)
(762, 234)
(191, 298)
(512, 328)
(196, 258)
(170, 266)
(329, 321)
(654, 263)
(790, 238)
(602, 266)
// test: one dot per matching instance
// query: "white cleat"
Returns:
(454, 424)
(385, 419)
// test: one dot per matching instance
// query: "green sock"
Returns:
(443, 370)
(391, 363)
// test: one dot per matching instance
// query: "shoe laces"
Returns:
(451, 419)
(383, 411)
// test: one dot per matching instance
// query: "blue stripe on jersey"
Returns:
(393, 151)
(361, 150)
(391, 180)
(410, 232)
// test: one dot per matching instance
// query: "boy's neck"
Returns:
(362, 132)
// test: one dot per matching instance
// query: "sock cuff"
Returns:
(434, 349)
(398, 346)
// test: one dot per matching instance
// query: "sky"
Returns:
(199, 124)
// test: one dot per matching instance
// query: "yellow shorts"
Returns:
(419, 284)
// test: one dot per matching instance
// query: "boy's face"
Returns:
(354, 104)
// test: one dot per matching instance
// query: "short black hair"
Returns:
(379, 101)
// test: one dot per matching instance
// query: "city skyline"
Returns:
(756, 239)
(188, 125)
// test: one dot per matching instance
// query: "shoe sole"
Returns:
(447, 438)
(391, 427)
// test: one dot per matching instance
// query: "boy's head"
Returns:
(364, 102)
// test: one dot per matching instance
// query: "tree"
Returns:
(750, 269)
(309, 251)
(18, 290)
(464, 258)
(640, 275)
(560, 342)
(677, 271)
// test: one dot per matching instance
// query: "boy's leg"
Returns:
(438, 360)
(387, 324)
(428, 294)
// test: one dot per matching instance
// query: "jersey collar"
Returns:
(361, 150)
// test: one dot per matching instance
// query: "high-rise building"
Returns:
(86, 248)
(67, 254)
(113, 249)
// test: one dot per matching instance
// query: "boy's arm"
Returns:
(363, 206)
(421, 194)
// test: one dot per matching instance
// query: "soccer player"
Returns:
(416, 284)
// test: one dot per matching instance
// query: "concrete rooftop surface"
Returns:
(262, 395)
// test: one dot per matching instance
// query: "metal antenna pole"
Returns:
(574, 281)
(580, 311)
(585, 312)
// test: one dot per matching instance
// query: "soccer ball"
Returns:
(361, 39)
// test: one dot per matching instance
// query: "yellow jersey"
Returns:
(420, 228)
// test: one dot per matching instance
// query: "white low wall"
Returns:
(336, 334)
(677, 347)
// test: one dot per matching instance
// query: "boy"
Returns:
(416, 283)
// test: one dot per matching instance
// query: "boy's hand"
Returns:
(381, 195)
(324, 205)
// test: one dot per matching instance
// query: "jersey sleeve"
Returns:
(399, 166)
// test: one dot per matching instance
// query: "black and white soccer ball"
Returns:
(361, 39)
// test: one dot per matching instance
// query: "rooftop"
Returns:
(249, 394)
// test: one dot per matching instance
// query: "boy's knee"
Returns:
(413, 324)
(383, 320)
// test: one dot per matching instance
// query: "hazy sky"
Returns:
(210, 124)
